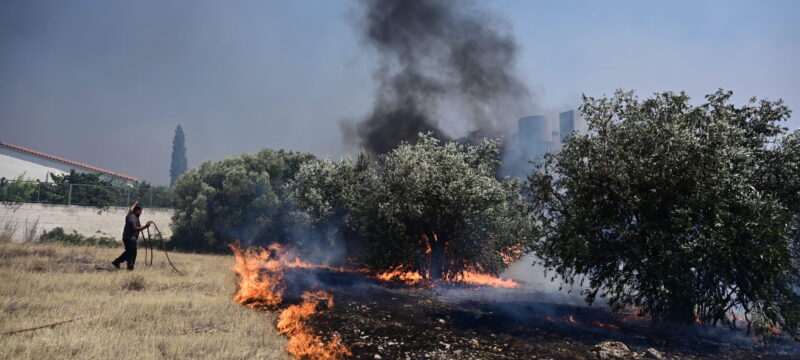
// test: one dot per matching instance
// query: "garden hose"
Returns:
(53, 324)
(149, 245)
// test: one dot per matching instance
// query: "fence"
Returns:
(83, 194)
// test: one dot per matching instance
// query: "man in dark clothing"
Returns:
(129, 236)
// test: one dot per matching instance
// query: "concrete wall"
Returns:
(86, 220)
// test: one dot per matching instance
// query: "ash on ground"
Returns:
(380, 321)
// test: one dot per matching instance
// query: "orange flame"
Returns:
(260, 284)
(772, 329)
(605, 325)
(471, 276)
(259, 276)
(465, 277)
(512, 254)
(302, 343)
(474, 278)
(406, 277)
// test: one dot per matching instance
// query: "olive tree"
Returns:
(237, 198)
(686, 212)
(429, 207)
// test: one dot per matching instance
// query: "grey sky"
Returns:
(94, 81)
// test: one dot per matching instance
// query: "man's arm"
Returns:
(140, 228)
(133, 206)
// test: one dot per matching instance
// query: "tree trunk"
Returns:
(438, 262)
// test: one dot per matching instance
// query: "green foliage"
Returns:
(19, 190)
(58, 235)
(682, 211)
(179, 164)
(87, 189)
(428, 207)
(236, 198)
(149, 195)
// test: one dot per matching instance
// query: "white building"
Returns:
(34, 165)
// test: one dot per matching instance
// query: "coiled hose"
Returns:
(148, 243)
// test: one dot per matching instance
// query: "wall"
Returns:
(86, 220)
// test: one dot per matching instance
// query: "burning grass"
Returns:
(260, 274)
(413, 278)
(260, 283)
(472, 316)
(303, 343)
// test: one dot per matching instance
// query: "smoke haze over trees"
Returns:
(179, 163)
(438, 59)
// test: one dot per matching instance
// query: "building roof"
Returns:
(66, 161)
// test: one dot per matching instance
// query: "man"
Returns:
(129, 236)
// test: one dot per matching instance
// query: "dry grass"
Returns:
(151, 313)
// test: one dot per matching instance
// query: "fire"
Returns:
(260, 276)
(605, 325)
(260, 284)
(260, 279)
(474, 278)
(428, 249)
(406, 277)
(302, 343)
(772, 329)
(465, 277)
(512, 254)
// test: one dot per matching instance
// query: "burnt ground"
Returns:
(397, 322)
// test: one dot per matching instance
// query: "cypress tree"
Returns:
(178, 165)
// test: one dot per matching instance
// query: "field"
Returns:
(150, 313)
(154, 313)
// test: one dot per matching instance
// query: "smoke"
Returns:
(437, 57)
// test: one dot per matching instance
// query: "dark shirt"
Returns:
(131, 223)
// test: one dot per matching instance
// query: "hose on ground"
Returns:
(52, 324)
(149, 245)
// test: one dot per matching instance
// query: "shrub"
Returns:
(236, 198)
(686, 212)
(433, 208)
(58, 235)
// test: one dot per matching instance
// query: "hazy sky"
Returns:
(106, 82)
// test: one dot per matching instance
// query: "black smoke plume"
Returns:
(437, 56)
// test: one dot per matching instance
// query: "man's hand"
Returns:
(149, 223)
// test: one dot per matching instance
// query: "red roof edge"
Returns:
(66, 161)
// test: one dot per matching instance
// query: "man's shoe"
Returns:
(116, 265)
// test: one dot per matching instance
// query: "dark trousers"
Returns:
(129, 255)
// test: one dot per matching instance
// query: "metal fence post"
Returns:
(127, 196)
(151, 197)
(69, 196)
(38, 191)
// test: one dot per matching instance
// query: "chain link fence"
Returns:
(83, 194)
